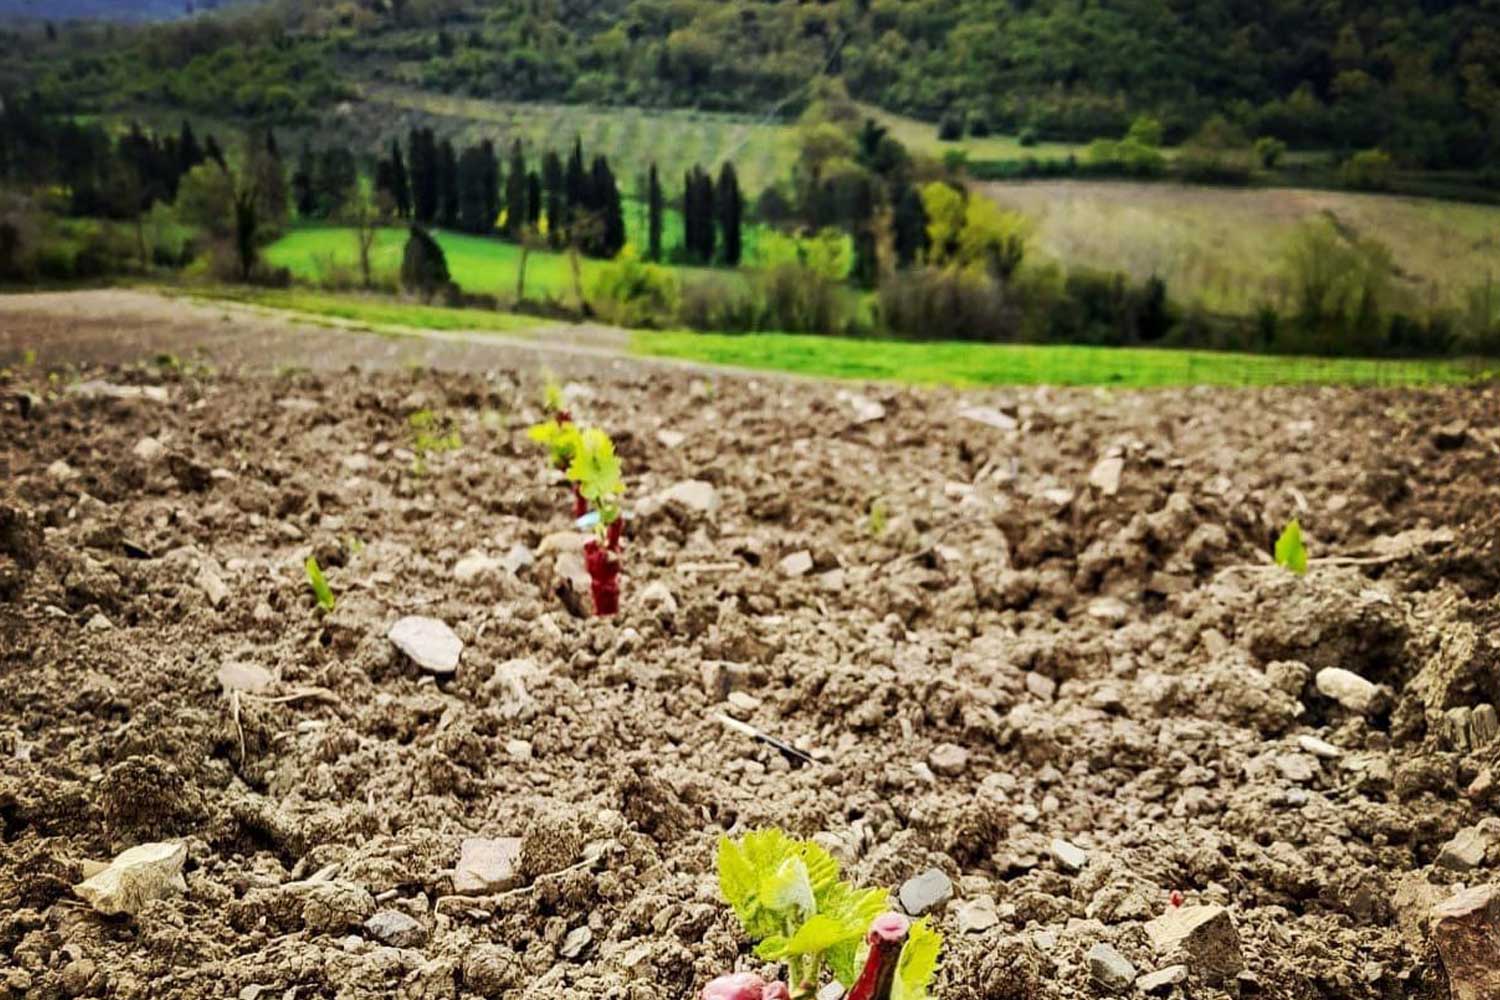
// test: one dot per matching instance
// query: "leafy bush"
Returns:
(1028, 137)
(716, 303)
(947, 303)
(633, 292)
(1269, 151)
(950, 127)
(1371, 170)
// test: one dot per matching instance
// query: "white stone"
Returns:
(925, 892)
(1109, 609)
(431, 644)
(248, 677)
(212, 584)
(1321, 749)
(658, 595)
(136, 877)
(1110, 969)
(1041, 685)
(517, 559)
(866, 410)
(60, 471)
(670, 439)
(148, 449)
(475, 566)
(1162, 980)
(1069, 857)
(1105, 476)
(975, 916)
(486, 866)
(949, 760)
(1349, 689)
(990, 417)
(693, 494)
(797, 564)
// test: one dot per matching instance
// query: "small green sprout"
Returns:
(319, 583)
(28, 357)
(431, 434)
(879, 519)
(1291, 553)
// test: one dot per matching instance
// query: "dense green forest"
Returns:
(1417, 78)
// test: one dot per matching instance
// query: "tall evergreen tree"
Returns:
(654, 214)
(909, 227)
(552, 182)
(424, 175)
(533, 199)
(475, 168)
(491, 185)
(400, 182)
(303, 193)
(189, 153)
(608, 230)
(447, 183)
(730, 205)
(516, 213)
(575, 187)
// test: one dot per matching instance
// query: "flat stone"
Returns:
(476, 566)
(212, 584)
(1451, 435)
(926, 892)
(1069, 857)
(1110, 969)
(96, 389)
(60, 471)
(431, 644)
(1041, 685)
(577, 942)
(1110, 610)
(1162, 980)
(949, 760)
(797, 564)
(975, 916)
(1321, 749)
(1205, 935)
(397, 929)
(1467, 850)
(518, 750)
(742, 704)
(659, 596)
(1466, 932)
(1105, 476)
(1349, 689)
(516, 559)
(670, 439)
(866, 410)
(136, 877)
(694, 494)
(1297, 767)
(487, 866)
(250, 678)
(990, 417)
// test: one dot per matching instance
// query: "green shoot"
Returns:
(560, 440)
(432, 435)
(789, 897)
(879, 518)
(28, 357)
(552, 395)
(320, 587)
(596, 470)
(1291, 553)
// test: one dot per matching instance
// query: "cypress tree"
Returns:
(552, 182)
(654, 210)
(515, 192)
(473, 189)
(400, 184)
(302, 184)
(609, 229)
(533, 199)
(910, 227)
(447, 180)
(424, 184)
(491, 185)
(731, 211)
(575, 187)
(189, 153)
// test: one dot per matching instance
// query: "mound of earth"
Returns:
(1050, 684)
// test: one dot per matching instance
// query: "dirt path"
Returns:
(123, 326)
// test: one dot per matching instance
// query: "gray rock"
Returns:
(1467, 850)
(926, 892)
(866, 410)
(1162, 980)
(1110, 610)
(431, 644)
(1319, 748)
(1069, 857)
(148, 449)
(335, 907)
(1484, 725)
(517, 559)
(577, 942)
(397, 929)
(990, 417)
(659, 596)
(1041, 685)
(949, 760)
(694, 494)
(1203, 935)
(975, 916)
(670, 439)
(476, 566)
(1298, 767)
(1110, 969)
(1350, 690)
(486, 866)
(742, 704)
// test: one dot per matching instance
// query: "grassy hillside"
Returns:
(1223, 246)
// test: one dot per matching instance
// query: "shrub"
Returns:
(632, 292)
(979, 124)
(1028, 137)
(799, 298)
(1371, 170)
(719, 304)
(1269, 151)
(424, 267)
(950, 127)
(947, 304)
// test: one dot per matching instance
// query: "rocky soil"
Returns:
(1053, 691)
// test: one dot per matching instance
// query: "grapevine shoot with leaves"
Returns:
(788, 896)
(1291, 553)
(319, 584)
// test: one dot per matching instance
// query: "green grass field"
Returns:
(321, 254)
(973, 365)
(1222, 247)
(945, 363)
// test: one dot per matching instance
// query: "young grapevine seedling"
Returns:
(789, 897)
(319, 583)
(1291, 553)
